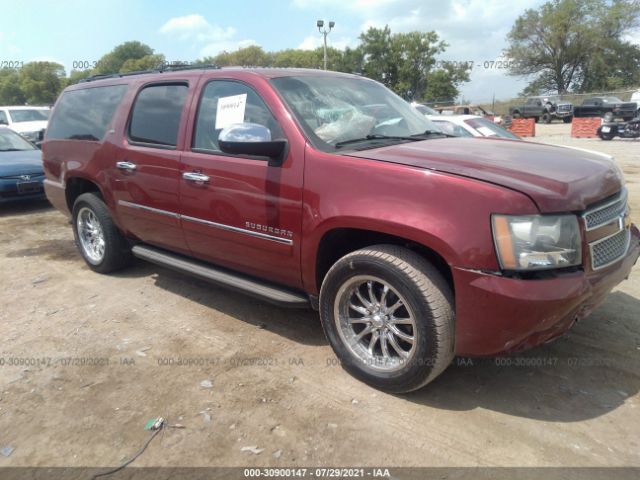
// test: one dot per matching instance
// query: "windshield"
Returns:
(612, 100)
(29, 115)
(487, 128)
(423, 109)
(10, 141)
(334, 111)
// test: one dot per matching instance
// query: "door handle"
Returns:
(125, 165)
(195, 177)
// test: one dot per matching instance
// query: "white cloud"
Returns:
(212, 39)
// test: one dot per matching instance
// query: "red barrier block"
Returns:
(523, 127)
(586, 127)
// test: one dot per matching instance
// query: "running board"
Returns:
(251, 286)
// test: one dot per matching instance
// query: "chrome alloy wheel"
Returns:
(91, 235)
(375, 323)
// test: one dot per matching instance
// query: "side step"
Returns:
(251, 286)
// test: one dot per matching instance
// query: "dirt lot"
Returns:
(94, 358)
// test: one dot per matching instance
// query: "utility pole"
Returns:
(325, 32)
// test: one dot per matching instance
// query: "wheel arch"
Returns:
(339, 241)
(76, 186)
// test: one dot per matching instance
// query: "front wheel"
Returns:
(567, 119)
(389, 316)
(101, 244)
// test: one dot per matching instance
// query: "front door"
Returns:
(239, 212)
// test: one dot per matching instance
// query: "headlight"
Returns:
(537, 242)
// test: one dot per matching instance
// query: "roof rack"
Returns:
(161, 69)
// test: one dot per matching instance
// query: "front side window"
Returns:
(3, 118)
(224, 103)
(29, 115)
(335, 111)
(85, 114)
(156, 114)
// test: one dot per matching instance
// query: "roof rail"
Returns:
(163, 68)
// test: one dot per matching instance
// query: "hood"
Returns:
(28, 162)
(557, 179)
(22, 127)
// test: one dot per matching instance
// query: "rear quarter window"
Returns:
(85, 114)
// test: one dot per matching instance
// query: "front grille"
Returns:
(606, 212)
(610, 249)
(564, 108)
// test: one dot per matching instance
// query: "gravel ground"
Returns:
(88, 359)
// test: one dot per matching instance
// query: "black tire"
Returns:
(426, 293)
(516, 115)
(117, 252)
(606, 136)
(536, 119)
(546, 118)
(567, 119)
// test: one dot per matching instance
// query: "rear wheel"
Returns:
(567, 119)
(101, 244)
(389, 317)
(546, 118)
(606, 136)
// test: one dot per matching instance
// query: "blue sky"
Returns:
(67, 30)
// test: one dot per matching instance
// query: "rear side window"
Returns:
(85, 114)
(156, 114)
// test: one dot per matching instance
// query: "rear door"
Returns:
(147, 165)
(245, 214)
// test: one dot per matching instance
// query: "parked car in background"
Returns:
(424, 109)
(543, 109)
(471, 126)
(30, 122)
(609, 108)
(21, 172)
(473, 110)
(319, 189)
(635, 97)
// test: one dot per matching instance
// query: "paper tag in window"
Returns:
(230, 110)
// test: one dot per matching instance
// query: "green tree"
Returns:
(406, 63)
(251, 56)
(10, 92)
(113, 61)
(41, 82)
(148, 62)
(575, 44)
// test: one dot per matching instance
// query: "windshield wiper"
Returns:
(11, 150)
(428, 133)
(375, 136)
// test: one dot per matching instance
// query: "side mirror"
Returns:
(252, 139)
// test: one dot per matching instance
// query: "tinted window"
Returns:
(85, 114)
(156, 114)
(208, 126)
(3, 118)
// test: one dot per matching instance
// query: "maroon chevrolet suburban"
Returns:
(324, 190)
